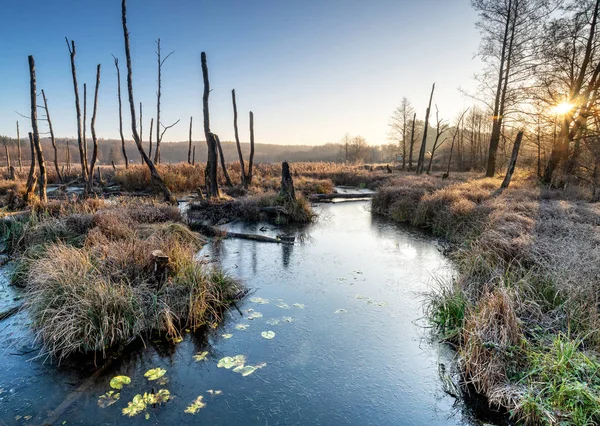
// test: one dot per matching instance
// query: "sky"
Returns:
(310, 70)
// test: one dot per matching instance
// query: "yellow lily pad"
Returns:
(155, 373)
(195, 406)
(117, 382)
(227, 336)
(108, 399)
(200, 356)
(135, 406)
(242, 326)
(159, 397)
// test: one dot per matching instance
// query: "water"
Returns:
(372, 363)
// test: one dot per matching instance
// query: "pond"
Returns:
(332, 333)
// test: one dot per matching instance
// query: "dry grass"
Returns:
(528, 271)
(90, 281)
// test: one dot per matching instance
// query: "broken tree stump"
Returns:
(287, 183)
(161, 261)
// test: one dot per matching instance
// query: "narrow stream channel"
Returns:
(350, 345)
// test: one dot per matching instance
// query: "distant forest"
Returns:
(109, 150)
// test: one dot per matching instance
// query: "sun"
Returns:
(563, 108)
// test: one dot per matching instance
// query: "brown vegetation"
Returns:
(528, 275)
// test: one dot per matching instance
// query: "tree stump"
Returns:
(161, 261)
(287, 183)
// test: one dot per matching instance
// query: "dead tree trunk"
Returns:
(90, 182)
(68, 158)
(190, 143)
(141, 132)
(82, 156)
(251, 160)
(287, 183)
(159, 135)
(36, 134)
(421, 162)
(150, 138)
(194, 155)
(513, 161)
(30, 189)
(237, 139)
(210, 174)
(85, 153)
(156, 179)
(10, 168)
(19, 148)
(52, 139)
(227, 179)
(121, 113)
(412, 143)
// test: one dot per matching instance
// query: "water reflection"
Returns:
(370, 365)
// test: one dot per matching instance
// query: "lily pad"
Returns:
(272, 321)
(254, 315)
(259, 300)
(340, 311)
(227, 336)
(268, 334)
(177, 339)
(159, 397)
(298, 305)
(135, 406)
(108, 399)
(246, 370)
(195, 406)
(214, 392)
(163, 380)
(155, 373)
(282, 305)
(242, 326)
(201, 356)
(229, 362)
(117, 382)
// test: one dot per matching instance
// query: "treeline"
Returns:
(109, 151)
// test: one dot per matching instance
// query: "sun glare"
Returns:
(562, 108)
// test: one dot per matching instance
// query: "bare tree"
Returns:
(440, 129)
(157, 180)
(513, 161)
(85, 144)
(572, 60)
(52, 139)
(251, 160)
(237, 138)
(210, 173)
(82, 156)
(123, 150)
(31, 180)
(412, 142)
(456, 132)
(90, 182)
(190, 143)
(421, 161)
(222, 157)
(399, 124)
(159, 135)
(19, 148)
(36, 133)
(150, 138)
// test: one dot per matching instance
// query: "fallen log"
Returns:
(323, 197)
(214, 231)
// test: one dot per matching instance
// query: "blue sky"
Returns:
(310, 70)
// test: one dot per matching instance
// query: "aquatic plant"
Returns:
(201, 356)
(155, 373)
(268, 334)
(195, 406)
(117, 382)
